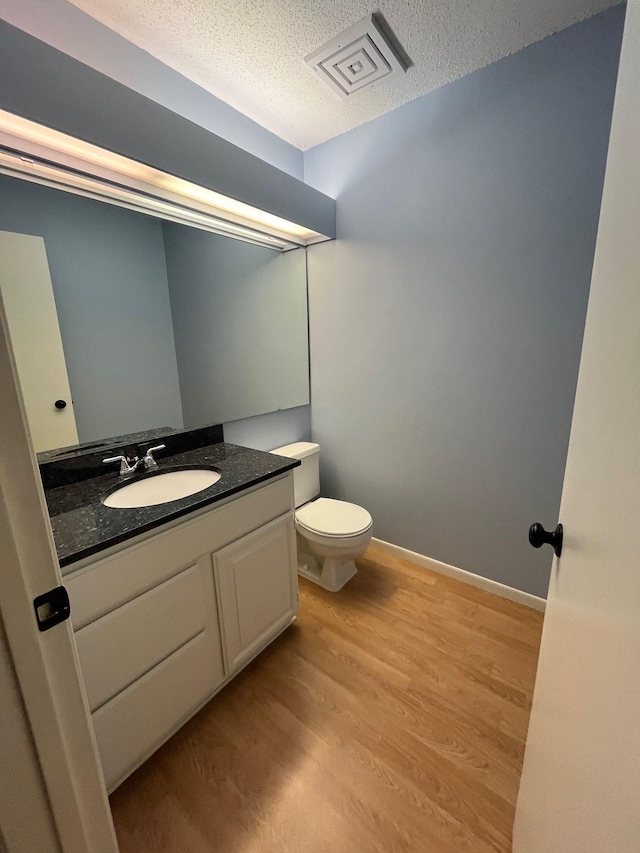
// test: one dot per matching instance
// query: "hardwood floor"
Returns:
(391, 717)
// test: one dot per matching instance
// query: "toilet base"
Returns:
(328, 573)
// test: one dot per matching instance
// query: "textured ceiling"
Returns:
(250, 53)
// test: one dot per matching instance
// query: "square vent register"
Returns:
(359, 58)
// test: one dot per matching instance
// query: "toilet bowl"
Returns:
(330, 534)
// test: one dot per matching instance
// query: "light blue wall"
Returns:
(447, 319)
(240, 325)
(110, 284)
(72, 31)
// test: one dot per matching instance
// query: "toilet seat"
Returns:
(333, 519)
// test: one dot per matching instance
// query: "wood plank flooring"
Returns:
(391, 717)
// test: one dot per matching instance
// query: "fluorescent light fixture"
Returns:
(40, 172)
(42, 155)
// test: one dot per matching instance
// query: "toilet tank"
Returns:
(306, 478)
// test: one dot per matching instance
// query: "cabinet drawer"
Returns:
(130, 725)
(105, 585)
(129, 641)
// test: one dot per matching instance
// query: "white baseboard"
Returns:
(488, 585)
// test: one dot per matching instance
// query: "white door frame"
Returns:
(45, 663)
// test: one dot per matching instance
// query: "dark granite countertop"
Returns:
(83, 525)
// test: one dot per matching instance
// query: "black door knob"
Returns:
(60, 404)
(538, 537)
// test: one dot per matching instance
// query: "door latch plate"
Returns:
(52, 608)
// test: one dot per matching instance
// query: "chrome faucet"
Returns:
(149, 461)
(130, 467)
(125, 466)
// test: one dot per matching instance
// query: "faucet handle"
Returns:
(125, 468)
(149, 461)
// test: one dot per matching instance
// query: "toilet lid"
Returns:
(334, 518)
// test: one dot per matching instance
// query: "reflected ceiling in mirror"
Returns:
(160, 324)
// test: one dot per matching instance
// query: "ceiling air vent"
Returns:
(360, 57)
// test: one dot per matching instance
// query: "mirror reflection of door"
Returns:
(27, 294)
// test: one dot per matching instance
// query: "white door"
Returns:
(50, 715)
(580, 790)
(31, 313)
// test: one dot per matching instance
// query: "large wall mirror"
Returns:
(135, 323)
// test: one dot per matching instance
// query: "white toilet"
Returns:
(330, 533)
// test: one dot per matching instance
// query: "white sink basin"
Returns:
(161, 488)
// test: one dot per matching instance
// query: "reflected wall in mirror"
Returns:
(161, 325)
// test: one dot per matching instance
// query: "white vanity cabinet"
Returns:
(165, 620)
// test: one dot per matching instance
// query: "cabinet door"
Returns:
(257, 589)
